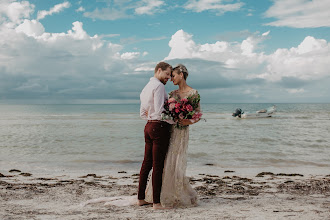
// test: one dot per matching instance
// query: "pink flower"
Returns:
(177, 110)
(171, 100)
(189, 108)
(171, 106)
(184, 100)
(177, 105)
(197, 115)
(181, 116)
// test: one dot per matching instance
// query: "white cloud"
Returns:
(35, 63)
(15, 12)
(307, 61)
(107, 14)
(31, 28)
(80, 9)
(126, 9)
(145, 67)
(300, 13)
(250, 45)
(77, 31)
(56, 9)
(182, 46)
(149, 7)
(218, 6)
(233, 54)
(130, 55)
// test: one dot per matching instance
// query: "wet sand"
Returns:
(261, 196)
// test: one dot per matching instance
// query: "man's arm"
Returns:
(143, 113)
(159, 99)
(143, 110)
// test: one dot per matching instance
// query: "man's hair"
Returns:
(163, 66)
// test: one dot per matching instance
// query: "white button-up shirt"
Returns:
(152, 99)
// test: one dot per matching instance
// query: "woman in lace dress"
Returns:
(176, 190)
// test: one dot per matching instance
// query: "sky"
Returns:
(105, 51)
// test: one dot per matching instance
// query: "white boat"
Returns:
(263, 113)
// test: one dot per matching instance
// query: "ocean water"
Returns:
(101, 138)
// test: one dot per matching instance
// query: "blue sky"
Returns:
(104, 51)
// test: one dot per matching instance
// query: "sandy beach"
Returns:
(264, 195)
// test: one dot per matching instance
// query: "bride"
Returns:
(176, 190)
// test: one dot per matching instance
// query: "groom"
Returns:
(156, 133)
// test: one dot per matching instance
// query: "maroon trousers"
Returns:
(157, 138)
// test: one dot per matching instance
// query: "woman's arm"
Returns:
(185, 122)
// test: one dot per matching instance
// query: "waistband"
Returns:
(156, 121)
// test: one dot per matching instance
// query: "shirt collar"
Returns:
(155, 79)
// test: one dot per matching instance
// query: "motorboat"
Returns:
(263, 113)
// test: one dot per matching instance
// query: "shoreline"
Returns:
(231, 195)
(192, 170)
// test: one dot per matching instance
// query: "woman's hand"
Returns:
(185, 122)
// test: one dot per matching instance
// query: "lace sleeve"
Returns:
(173, 94)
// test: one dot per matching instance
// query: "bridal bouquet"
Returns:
(182, 109)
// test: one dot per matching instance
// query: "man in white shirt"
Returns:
(156, 133)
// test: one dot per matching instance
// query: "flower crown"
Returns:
(181, 68)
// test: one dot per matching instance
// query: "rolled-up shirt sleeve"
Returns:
(143, 113)
(159, 99)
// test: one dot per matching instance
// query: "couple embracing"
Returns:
(166, 141)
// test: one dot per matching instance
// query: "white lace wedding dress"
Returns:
(176, 190)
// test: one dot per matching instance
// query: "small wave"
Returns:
(321, 141)
(126, 161)
(197, 155)
(265, 139)
(292, 162)
(303, 117)
(107, 161)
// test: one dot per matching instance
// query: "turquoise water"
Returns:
(69, 138)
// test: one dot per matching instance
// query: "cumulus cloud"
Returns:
(300, 13)
(309, 60)
(31, 28)
(68, 65)
(15, 12)
(232, 54)
(219, 6)
(56, 9)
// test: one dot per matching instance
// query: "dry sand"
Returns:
(260, 196)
